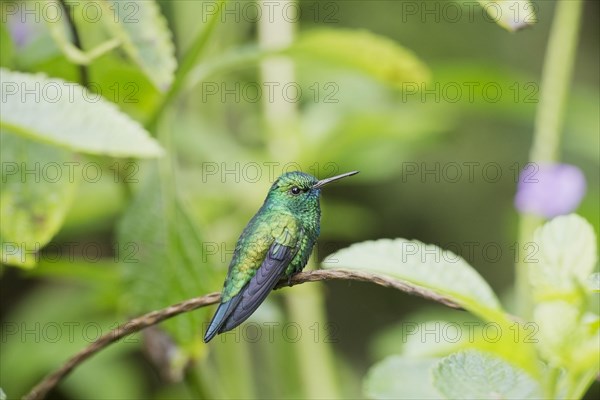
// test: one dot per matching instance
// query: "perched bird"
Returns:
(275, 244)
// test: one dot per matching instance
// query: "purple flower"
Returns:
(23, 28)
(549, 190)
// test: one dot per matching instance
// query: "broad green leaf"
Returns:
(374, 55)
(511, 341)
(558, 322)
(38, 186)
(65, 114)
(422, 265)
(165, 265)
(401, 378)
(145, 37)
(124, 84)
(475, 375)
(567, 255)
(431, 332)
(565, 339)
(355, 50)
(512, 15)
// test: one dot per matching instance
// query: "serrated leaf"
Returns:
(145, 36)
(422, 265)
(374, 55)
(472, 374)
(54, 111)
(567, 254)
(445, 273)
(401, 378)
(512, 15)
(37, 190)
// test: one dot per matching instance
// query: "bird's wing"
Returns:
(266, 277)
(237, 309)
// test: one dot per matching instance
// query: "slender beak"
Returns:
(324, 182)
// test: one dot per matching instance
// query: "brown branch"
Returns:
(381, 280)
(152, 318)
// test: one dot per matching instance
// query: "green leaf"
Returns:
(38, 187)
(354, 50)
(66, 114)
(427, 334)
(165, 264)
(564, 339)
(401, 378)
(475, 375)
(567, 256)
(145, 36)
(372, 54)
(422, 265)
(126, 85)
(558, 324)
(512, 15)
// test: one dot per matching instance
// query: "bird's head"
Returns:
(299, 192)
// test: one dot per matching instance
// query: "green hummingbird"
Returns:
(275, 244)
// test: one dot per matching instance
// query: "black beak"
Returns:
(324, 182)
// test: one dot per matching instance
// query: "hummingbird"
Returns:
(275, 244)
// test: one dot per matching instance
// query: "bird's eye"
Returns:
(295, 190)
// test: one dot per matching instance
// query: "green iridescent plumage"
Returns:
(275, 244)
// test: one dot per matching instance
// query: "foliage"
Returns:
(133, 153)
(567, 347)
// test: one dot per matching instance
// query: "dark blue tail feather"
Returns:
(220, 317)
(235, 311)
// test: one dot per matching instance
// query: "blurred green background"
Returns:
(180, 218)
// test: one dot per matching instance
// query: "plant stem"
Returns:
(552, 385)
(152, 318)
(556, 79)
(187, 63)
(578, 385)
(315, 356)
(83, 69)
(284, 142)
(235, 367)
(280, 114)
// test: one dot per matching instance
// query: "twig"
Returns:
(83, 71)
(381, 280)
(152, 318)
